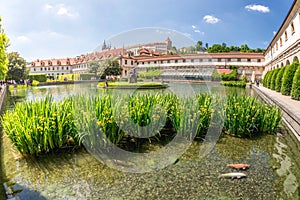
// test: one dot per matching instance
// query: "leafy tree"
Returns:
(93, 67)
(109, 67)
(16, 67)
(199, 46)
(4, 43)
(244, 48)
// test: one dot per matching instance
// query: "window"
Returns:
(280, 41)
(52, 68)
(192, 60)
(285, 36)
(219, 59)
(229, 59)
(125, 62)
(33, 69)
(154, 62)
(143, 63)
(200, 60)
(168, 61)
(176, 61)
(239, 60)
(183, 61)
(258, 60)
(67, 68)
(209, 60)
(62, 68)
(292, 28)
(41, 69)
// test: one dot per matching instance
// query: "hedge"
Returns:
(37, 77)
(269, 79)
(278, 81)
(266, 78)
(288, 76)
(295, 93)
(88, 76)
(273, 79)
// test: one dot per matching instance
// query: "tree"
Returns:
(199, 46)
(93, 67)
(4, 43)
(109, 67)
(16, 67)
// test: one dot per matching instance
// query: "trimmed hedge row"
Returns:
(285, 80)
(37, 77)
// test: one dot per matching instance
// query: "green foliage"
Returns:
(295, 93)
(218, 48)
(216, 76)
(229, 77)
(273, 79)
(4, 43)
(134, 85)
(16, 67)
(37, 77)
(109, 67)
(150, 73)
(93, 67)
(243, 78)
(41, 126)
(265, 80)
(269, 79)
(288, 76)
(68, 77)
(241, 84)
(88, 76)
(35, 83)
(246, 117)
(279, 77)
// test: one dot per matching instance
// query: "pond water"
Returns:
(274, 171)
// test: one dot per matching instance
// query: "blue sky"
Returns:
(67, 28)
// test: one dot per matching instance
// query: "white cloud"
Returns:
(259, 8)
(274, 32)
(198, 31)
(48, 7)
(22, 39)
(63, 11)
(194, 27)
(211, 19)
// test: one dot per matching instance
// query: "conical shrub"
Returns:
(279, 77)
(295, 93)
(288, 76)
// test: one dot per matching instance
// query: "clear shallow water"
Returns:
(274, 171)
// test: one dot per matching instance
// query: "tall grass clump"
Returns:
(288, 76)
(246, 117)
(295, 93)
(279, 77)
(41, 126)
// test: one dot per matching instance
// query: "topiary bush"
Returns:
(279, 77)
(288, 76)
(273, 79)
(37, 77)
(266, 78)
(295, 93)
(269, 79)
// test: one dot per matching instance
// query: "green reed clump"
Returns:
(246, 117)
(193, 116)
(41, 126)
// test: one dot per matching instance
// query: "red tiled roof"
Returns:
(224, 71)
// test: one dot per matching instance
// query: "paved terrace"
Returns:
(289, 107)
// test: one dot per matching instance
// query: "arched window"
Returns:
(292, 28)
(285, 36)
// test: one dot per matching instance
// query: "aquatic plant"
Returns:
(41, 126)
(246, 117)
(100, 121)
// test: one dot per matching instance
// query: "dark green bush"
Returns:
(279, 77)
(273, 79)
(88, 76)
(37, 77)
(265, 80)
(295, 93)
(288, 76)
(269, 79)
(229, 77)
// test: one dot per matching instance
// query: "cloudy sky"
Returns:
(67, 28)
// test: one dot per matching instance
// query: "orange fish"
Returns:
(238, 166)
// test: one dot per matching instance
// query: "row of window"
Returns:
(200, 60)
(49, 68)
(292, 28)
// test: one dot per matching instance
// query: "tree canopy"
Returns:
(16, 67)
(93, 67)
(109, 67)
(4, 43)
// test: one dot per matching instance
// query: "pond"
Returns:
(274, 160)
